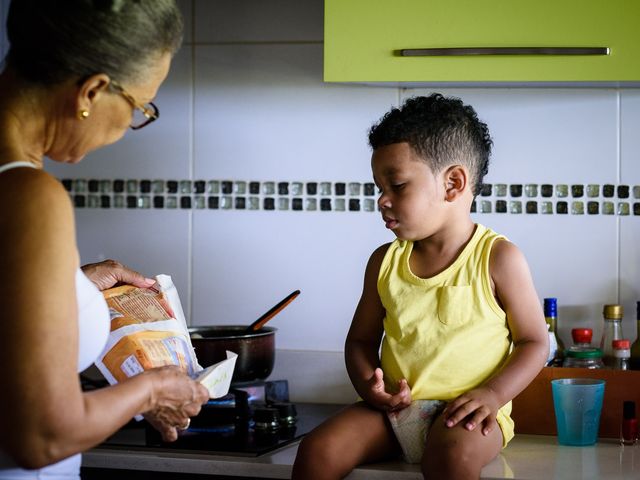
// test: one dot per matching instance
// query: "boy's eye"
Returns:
(398, 186)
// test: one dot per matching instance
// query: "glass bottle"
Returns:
(612, 331)
(635, 348)
(621, 354)
(629, 427)
(556, 347)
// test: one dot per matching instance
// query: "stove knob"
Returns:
(288, 413)
(266, 418)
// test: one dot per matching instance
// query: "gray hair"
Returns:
(51, 41)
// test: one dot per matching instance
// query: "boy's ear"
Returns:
(456, 180)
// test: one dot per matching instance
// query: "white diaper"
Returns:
(411, 425)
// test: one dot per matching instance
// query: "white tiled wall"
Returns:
(629, 258)
(245, 101)
(4, 5)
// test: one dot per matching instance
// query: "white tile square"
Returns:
(247, 262)
(226, 21)
(629, 137)
(302, 369)
(629, 272)
(263, 109)
(161, 150)
(549, 135)
(149, 241)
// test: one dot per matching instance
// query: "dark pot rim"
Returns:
(228, 332)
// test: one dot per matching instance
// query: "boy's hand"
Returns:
(379, 398)
(477, 406)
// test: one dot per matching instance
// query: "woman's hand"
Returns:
(476, 407)
(175, 398)
(109, 273)
(381, 399)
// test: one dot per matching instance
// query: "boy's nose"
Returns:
(383, 202)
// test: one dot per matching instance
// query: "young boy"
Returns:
(453, 303)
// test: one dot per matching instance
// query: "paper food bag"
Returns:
(148, 330)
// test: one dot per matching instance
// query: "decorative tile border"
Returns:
(560, 199)
(500, 198)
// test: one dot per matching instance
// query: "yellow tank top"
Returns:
(445, 334)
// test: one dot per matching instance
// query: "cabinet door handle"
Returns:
(447, 52)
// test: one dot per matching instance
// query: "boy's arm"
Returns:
(516, 293)
(363, 344)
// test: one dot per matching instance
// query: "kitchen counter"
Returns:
(526, 457)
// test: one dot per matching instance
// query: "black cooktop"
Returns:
(239, 424)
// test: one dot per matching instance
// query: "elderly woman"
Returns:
(78, 75)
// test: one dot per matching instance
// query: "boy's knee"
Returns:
(316, 449)
(450, 460)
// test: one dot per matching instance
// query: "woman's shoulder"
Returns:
(34, 203)
(25, 186)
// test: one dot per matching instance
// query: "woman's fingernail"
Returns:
(149, 280)
(449, 423)
(469, 426)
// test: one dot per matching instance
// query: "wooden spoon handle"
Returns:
(257, 325)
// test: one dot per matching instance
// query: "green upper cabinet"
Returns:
(364, 38)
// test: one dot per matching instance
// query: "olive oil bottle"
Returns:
(556, 346)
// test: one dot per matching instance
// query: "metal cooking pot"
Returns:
(256, 350)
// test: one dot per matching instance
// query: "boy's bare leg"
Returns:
(455, 452)
(357, 434)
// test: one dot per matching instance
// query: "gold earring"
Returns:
(83, 114)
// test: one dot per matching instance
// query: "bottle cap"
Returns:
(585, 353)
(581, 335)
(551, 307)
(629, 409)
(613, 312)
(621, 344)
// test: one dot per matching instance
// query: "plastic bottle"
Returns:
(635, 348)
(556, 347)
(612, 331)
(581, 338)
(621, 353)
(588, 357)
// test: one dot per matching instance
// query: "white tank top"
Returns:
(93, 330)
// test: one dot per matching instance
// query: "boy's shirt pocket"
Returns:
(455, 305)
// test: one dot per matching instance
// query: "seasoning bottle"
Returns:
(621, 353)
(612, 331)
(629, 427)
(556, 347)
(581, 338)
(589, 357)
(635, 347)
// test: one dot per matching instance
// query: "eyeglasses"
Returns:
(143, 114)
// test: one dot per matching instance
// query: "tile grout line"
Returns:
(192, 161)
(618, 180)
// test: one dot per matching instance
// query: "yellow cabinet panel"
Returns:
(363, 39)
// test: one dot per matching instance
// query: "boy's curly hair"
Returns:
(442, 130)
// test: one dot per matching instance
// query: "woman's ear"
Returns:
(456, 180)
(89, 91)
